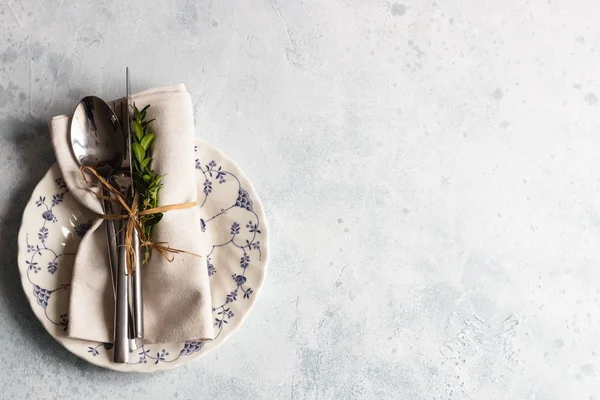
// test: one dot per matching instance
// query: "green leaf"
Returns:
(145, 162)
(143, 112)
(147, 178)
(139, 131)
(153, 219)
(139, 152)
(146, 123)
(146, 140)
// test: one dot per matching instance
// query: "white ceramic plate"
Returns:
(232, 220)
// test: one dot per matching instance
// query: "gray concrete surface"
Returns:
(430, 171)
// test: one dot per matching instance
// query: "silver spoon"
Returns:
(97, 141)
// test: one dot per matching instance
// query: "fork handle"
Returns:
(136, 287)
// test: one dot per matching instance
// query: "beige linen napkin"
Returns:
(177, 302)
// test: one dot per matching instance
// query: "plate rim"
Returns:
(265, 255)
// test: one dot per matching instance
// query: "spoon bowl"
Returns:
(96, 136)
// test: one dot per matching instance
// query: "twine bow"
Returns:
(132, 221)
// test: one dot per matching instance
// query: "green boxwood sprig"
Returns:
(147, 183)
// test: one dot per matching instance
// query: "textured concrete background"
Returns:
(430, 172)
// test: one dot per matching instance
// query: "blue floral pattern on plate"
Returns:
(231, 220)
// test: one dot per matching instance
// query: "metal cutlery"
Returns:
(136, 279)
(97, 141)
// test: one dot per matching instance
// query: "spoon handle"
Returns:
(121, 343)
(111, 237)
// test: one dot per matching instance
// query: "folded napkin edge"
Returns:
(61, 116)
(180, 87)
